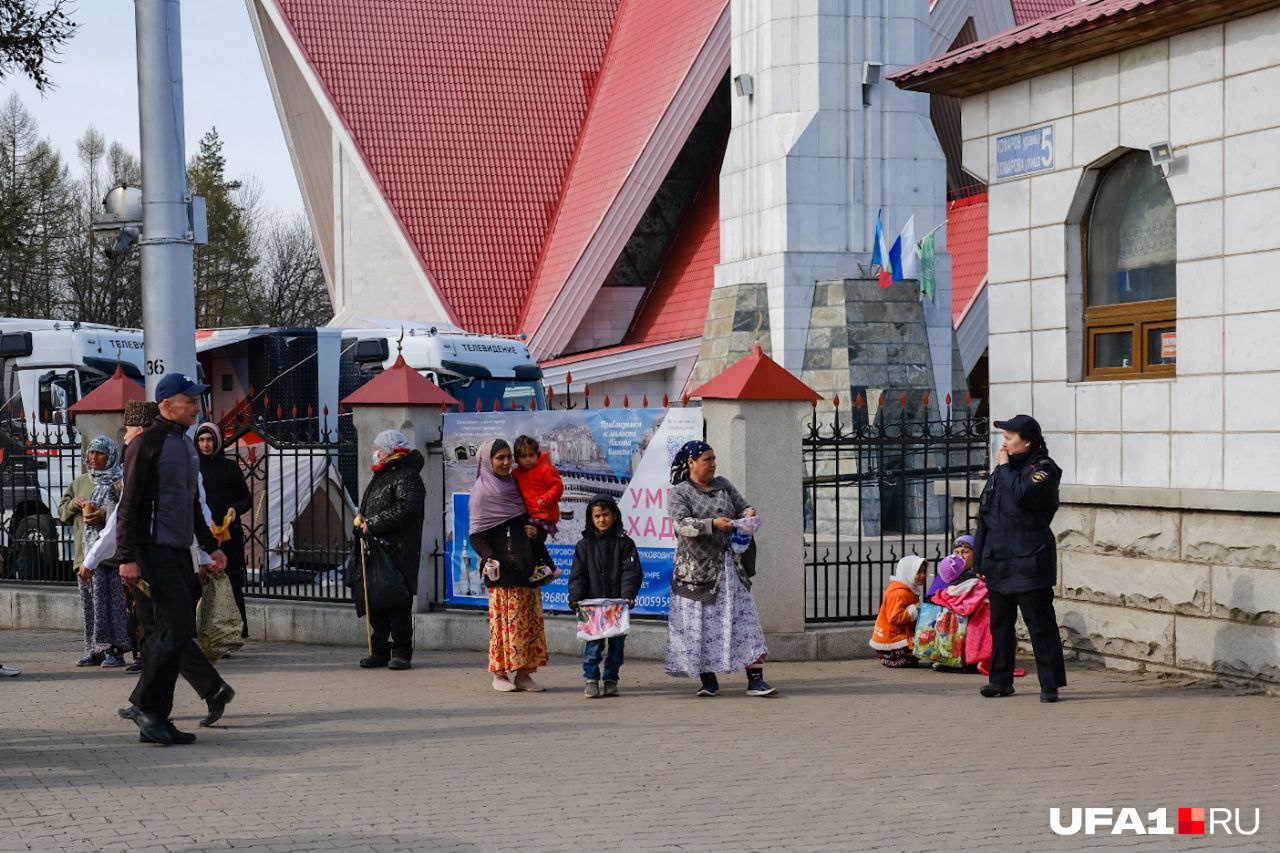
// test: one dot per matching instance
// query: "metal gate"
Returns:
(37, 467)
(878, 487)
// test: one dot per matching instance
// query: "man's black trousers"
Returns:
(168, 621)
(1042, 625)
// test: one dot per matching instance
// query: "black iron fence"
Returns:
(879, 487)
(38, 464)
(299, 530)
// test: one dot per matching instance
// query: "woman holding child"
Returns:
(504, 539)
(713, 625)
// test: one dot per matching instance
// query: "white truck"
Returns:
(259, 375)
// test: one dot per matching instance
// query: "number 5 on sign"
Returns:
(1046, 147)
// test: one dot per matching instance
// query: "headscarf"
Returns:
(214, 430)
(494, 499)
(966, 539)
(393, 443)
(104, 482)
(951, 570)
(906, 571)
(680, 465)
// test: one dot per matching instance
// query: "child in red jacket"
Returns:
(541, 487)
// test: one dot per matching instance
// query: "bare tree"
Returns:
(290, 281)
(30, 37)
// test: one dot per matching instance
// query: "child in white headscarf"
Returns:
(896, 624)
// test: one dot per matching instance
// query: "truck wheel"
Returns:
(35, 548)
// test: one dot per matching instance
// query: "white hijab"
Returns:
(906, 572)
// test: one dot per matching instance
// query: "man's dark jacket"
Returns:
(1014, 548)
(160, 504)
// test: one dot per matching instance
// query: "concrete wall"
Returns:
(1212, 93)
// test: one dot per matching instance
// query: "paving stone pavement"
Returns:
(315, 754)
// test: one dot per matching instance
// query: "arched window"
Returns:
(1130, 263)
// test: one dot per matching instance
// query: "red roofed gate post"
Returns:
(402, 399)
(101, 411)
(753, 413)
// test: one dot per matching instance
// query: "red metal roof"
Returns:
(466, 112)
(400, 385)
(651, 51)
(676, 305)
(967, 243)
(110, 396)
(756, 377)
(1026, 11)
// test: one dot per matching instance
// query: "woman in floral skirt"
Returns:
(713, 626)
(503, 537)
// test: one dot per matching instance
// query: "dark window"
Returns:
(1130, 252)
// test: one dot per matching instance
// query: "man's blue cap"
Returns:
(1025, 426)
(176, 383)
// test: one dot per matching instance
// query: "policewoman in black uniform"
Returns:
(1017, 554)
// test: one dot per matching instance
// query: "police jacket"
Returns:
(1014, 548)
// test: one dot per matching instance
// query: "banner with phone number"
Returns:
(622, 453)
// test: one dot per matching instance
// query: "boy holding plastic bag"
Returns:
(603, 585)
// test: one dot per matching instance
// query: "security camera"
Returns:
(1161, 156)
(124, 240)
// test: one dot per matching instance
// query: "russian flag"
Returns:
(903, 254)
(880, 255)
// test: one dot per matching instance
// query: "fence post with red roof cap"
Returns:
(748, 409)
(402, 399)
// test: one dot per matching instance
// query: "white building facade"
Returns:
(1134, 312)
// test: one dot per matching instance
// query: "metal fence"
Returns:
(37, 466)
(878, 487)
(298, 532)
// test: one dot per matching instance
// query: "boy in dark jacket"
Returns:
(605, 565)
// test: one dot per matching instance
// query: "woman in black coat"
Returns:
(391, 511)
(229, 500)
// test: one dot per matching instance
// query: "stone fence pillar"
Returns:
(101, 411)
(753, 413)
(402, 399)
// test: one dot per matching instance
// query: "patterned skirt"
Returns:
(517, 639)
(720, 636)
(106, 618)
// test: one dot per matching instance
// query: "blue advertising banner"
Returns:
(622, 453)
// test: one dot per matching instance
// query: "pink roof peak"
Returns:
(401, 385)
(757, 377)
(109, 397)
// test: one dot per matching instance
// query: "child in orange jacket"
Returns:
(541, 487)
(896, 624)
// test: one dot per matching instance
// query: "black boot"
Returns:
(152, 728)
(217, 703)
(756, 685)
(710, 685)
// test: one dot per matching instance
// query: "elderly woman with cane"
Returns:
(503, 537)
(391, 513)
(713, 626)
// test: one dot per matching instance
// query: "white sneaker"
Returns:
(8, 671)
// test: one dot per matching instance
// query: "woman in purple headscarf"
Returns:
(503, 538)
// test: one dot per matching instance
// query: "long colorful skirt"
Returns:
(721, 636)
(106, 618)
(517, 638)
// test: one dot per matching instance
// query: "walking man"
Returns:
(158, 513)
(1017, 553)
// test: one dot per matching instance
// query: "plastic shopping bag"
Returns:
(940, 634)
(600, 618)
(744, 530)
(218, 619)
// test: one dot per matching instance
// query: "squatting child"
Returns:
(541, 487)
(605, 565)
(896, 624)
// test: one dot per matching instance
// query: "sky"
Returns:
(225, 85)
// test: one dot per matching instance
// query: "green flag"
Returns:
(927, 266)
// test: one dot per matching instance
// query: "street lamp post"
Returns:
(168, 238)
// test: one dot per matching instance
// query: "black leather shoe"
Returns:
(130, 713)
(372, 662)
(179, 737)
(217, 704)
(400, 663)
(992, 691)
(1048, 695)
(153, 729)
